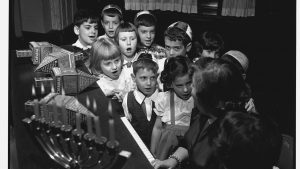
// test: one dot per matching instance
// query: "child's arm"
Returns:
(156, 134)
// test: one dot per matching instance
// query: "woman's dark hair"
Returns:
(218, 85)
(248, 141)
(175, 67)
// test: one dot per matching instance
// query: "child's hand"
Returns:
(250, 107)
(168, 163)
(118, 94)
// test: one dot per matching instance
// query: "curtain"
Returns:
(184, 6)
(238, 8)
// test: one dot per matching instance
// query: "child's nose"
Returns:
(128, 42)
(114, 66)
(110, 25)
(148, 35)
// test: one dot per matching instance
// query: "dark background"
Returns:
(268, 39)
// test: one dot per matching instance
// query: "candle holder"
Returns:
(66, 133)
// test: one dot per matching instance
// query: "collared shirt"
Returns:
(183, 109)
(78, 44)
(140, 98)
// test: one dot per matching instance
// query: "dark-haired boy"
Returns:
(178, 39)
(86, 28)
(111, 17)
(138, 104)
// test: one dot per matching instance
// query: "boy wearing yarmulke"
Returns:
(145, 22)
(178, 39)
(111, 17)
(240, 61)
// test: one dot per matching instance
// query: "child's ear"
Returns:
(102, 23)
(76, 30)
(189, 46)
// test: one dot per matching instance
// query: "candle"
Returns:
(55, 112)
(52, 88)
(94, 106)
(97, 126)
(42, 89)
(78, 121)
(111, 123)
(87, 100)
(35, 103)
(89, 124)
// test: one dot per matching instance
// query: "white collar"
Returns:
(80, 45)
(139, 96)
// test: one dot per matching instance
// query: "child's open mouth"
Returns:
(129, 50)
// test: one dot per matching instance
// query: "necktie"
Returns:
(144, 108)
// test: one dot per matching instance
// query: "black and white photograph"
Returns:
(150, 84)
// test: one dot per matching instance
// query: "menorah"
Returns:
(71, 135)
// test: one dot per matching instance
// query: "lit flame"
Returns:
(94, 105)
(42, 88)
(52, 88)
(87, 101)
(109, 109)
(63, 91)
(33, 91)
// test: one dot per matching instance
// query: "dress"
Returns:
(172, 133)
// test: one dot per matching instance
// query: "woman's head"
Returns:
(215, 84)
(177, 76)
(106, 58)
(247, 141)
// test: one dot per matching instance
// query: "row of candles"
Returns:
(97, 135)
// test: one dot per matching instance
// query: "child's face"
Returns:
(112, 68)
(110, 25)
(182, 86)
(146, 81)
(147, 35)
(127, 43)
(174, 48)
(87, 33)
(209, 53)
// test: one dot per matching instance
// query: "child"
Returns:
(126, 38)
(211, 45)
(138, 104)
(106, 63)
(178, 39)
(86, 28)
(240, 61)
(173, 107)
(145, 23)
(111, 17)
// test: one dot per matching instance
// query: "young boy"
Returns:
(240, 61)
(145, 23)
(178, 39)
(138, 104)
(111, 17)
(86, 28)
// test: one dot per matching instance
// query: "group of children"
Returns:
(152, 82)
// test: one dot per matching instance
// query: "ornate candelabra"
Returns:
(70, 134)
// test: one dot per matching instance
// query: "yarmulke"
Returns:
(240, 57)
(112, 6)
(183, 26)
(143, 13)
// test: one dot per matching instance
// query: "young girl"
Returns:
(173, 107)
(106, 63)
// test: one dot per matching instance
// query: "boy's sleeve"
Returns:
(125, 108)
